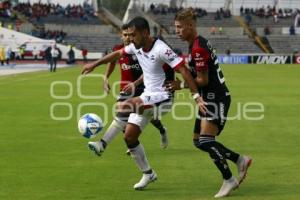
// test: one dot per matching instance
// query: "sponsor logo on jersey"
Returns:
(200, 63)
(129, 67)
(168, 52)
(171, 55)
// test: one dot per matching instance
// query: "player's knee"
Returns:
(200, 144)
(123, 116)
(197, 143)
(130, 139)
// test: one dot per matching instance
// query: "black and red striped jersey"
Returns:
(202, 57)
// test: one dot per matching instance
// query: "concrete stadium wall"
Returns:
(82, 30)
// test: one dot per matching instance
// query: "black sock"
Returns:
(157, 124)
(209, 145)
(104, 144)
(229, 154)
(148, 172)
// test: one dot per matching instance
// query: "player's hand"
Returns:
(171, 86)
(106, 85)
(129, 88)
(88, 68)
(202, 105)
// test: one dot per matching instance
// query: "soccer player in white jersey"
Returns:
(152, 54)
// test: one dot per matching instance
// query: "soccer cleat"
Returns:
(243, 164)
(128, 152)
(227, 187)
(145, 180)
(164, 139)
(97, 147)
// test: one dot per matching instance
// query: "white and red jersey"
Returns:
(152, 63)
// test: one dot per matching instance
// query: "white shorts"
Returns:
(152, 98)
(156, 104)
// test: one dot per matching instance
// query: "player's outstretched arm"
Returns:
(108, 72)
(106, 59)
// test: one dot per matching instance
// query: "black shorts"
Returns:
(124, 96)
(217, 111)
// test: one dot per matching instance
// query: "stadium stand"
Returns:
(284, 44)
(217, 21)
(238, 44)
(101, 43)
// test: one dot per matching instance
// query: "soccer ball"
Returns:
(89, 125)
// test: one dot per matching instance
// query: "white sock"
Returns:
(115, 127)
(138, 154)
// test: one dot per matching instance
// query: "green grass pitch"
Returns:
(42, 158)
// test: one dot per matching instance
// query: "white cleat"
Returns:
(243, 164)
(146, 179)
(164, 141)
(97, 147)
(227, 187)
(128, 152)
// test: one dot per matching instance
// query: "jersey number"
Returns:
(220, 75)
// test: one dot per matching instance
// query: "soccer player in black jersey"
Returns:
(204, 67)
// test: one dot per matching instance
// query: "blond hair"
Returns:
(186, 14)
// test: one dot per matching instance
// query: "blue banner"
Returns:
(223, 59)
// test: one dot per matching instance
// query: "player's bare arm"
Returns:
(130, 87)
(108, 72)
(106, 59)
(193, 87)
(202, 78)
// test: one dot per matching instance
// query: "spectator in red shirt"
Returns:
(84, 53)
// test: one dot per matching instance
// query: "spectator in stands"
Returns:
(39, 10)
(154, 31)
(84, 53)
(71, 56)
(55, 55)
(48, 55)
(218, 15)
(213, 30)
(248, 18)
(292, 30)
(228, 52)
(35, 53)
(221, 30)
(21, 53)
(267, 30)
(242, 11)
(2, 55)
(152, 7)
(297, 19)
(275, 17)
(8, 54)
(227, 13)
